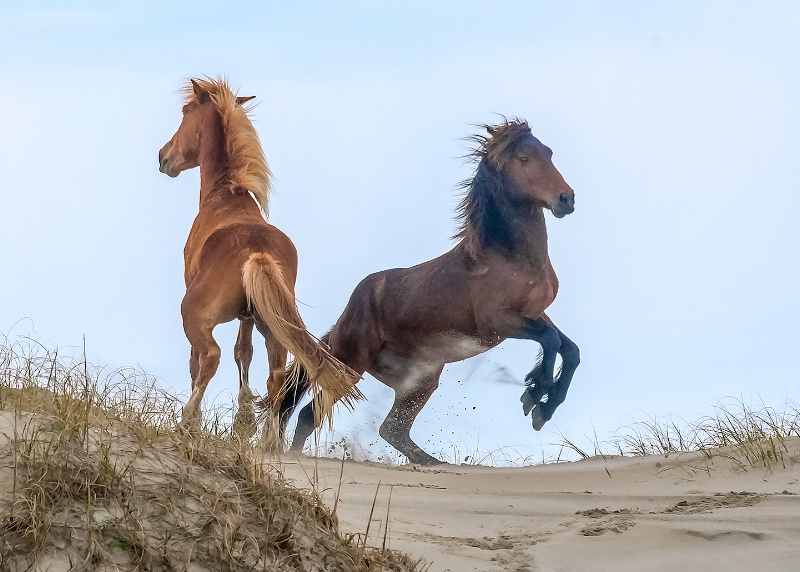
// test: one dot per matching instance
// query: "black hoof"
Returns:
(426, 461)
(537, 419)
(528, 401)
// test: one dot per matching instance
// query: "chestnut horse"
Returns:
(238, 265)
(403, 325)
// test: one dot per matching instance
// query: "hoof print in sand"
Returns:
(486, 543)
(709, 504)
(605, 520)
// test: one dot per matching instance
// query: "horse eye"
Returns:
(522, 159)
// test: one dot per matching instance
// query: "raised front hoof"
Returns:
(528, 401)
(537, 418)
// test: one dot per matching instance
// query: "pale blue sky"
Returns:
(676, 122)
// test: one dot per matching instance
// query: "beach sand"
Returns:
(682, 511)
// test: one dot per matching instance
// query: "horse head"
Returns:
(528, 164)
(183, 151)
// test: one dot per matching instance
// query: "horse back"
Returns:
(403, 305)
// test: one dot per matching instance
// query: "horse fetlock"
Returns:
(270, 438)
(245, 397)
(190, 421)
(539, 377)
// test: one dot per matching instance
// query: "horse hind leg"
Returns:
(244, 422)
(355, 341)
(194, 365)
(206, 355)
(272, 435)
(396, 428)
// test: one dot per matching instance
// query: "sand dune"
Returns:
(117, 483)
(675, 512)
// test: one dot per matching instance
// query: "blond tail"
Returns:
(268, 294)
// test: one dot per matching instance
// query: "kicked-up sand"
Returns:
(681, 512)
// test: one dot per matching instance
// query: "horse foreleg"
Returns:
(396, 428)
(244, 422)
(570, 359)
(540, 379)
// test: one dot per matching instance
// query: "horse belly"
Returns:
(459, 347)
(410, 366)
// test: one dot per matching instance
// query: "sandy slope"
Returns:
(680, 512)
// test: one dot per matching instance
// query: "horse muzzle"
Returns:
(564, 206)
(167, 164)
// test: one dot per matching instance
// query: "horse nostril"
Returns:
(564, 200)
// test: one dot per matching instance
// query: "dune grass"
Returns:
(749, 436)
(94, 476)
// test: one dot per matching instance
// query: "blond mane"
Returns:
(248, 165)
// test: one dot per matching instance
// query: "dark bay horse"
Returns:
(238, 265)
(403, 325)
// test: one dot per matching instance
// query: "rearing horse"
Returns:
(238, 265)
(403, 325)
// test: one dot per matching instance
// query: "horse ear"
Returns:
(245, 99)
(200, 93)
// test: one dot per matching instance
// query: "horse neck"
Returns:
(213, 159)
(530, 231)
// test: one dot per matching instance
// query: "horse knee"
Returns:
(570, 353)
(550, 341)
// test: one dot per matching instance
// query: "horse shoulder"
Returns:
(542, 291)
(504, 291)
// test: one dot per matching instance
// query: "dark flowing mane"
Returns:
(484, 212)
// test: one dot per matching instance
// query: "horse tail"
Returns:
(314, 367)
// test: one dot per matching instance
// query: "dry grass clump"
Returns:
(93, 476)
(757, 437)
